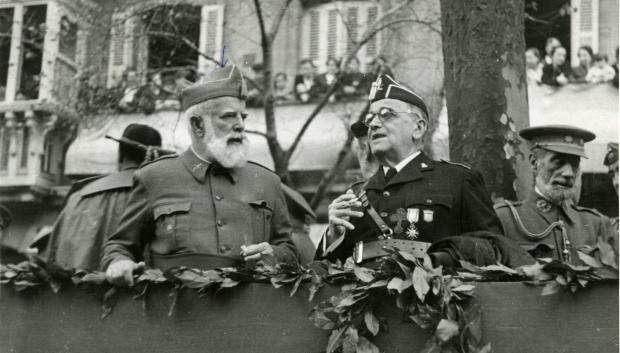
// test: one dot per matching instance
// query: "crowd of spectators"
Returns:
(554, 69)
(310, 86)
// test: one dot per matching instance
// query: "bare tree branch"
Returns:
(277, 20)
(261, 22)
(255, 132)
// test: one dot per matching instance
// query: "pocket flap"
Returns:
(170, 208)
(260, 204)
(430, 200)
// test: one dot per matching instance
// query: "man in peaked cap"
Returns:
(548, 223)
(207, 207)
(94, 206)
(413, 202)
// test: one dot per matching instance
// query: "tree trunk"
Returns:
(486, 90)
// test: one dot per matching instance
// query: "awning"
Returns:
(92, 153)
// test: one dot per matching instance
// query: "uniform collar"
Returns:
(402, 163)
(410, 172)
(550, 210)
(199, 167)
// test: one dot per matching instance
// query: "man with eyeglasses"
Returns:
(412, 202)
(207, 207)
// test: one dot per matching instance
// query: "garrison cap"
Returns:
(359, 129)
(221, 82)
(611, 156)
(558, 138)
(386, 87)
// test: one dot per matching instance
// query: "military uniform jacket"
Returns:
(426, 201)
(92, 212)
(584, 226)
(192, 213)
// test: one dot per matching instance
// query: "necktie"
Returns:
(390, 173)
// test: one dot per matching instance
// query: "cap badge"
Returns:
(568, 138)
(376, 86)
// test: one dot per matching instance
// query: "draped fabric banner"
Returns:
(258, 318)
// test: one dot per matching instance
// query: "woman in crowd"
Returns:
(281, 91)
(601, 71)
(326, 79)
(556, 73)
(533, 66)
(306, 88)
(584, 54)
(352, 80)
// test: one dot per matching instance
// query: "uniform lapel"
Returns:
(377, 181)
(196, 167)
(413, 170)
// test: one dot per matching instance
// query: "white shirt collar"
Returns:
(402, 163)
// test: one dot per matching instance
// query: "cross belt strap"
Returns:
(386, 231)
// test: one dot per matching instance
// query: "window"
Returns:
(25, 147)
(33, 33)
(6, 25)
(5, 146)
(165, 40)
(331, 30)
(67, 41)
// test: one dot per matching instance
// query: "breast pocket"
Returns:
(261, 213)
(172, 225)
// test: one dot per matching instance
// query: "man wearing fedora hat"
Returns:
(548, 223)
(207, 207)
(94, 206)
(412, 202)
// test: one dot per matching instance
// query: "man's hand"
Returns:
(256, 251)
(121, 272)
(561, 79)
(340, 213)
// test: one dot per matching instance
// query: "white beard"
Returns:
(229, 155)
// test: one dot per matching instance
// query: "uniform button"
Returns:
(220, 223)
(218, 197)
(383, 214)
(224, 249)
(429, 201)
(386, 194)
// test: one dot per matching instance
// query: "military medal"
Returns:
(428, 215)
(399, 217)
(413, 215)
(412, 232)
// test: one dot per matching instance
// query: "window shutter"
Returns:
(352, 24)
(314, 35)
(584, 26)
(211, 36)
(371, 46)
(332, 35)
(123, 45)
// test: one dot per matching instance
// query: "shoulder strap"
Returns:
(386, 231)
(536, 236)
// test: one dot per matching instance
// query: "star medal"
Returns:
(412, 232)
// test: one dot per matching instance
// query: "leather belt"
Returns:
(363, 251)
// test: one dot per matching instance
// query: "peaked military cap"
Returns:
(359, 129)
(221, 82)
(142, 134)
(386, 87)
(558, 138)
(611, 156)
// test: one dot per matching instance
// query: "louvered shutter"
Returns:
(116, 64)
(332, 32)
(371, 49)
(211, 36)
(584, 26)
(314, 35)
(352, 24)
